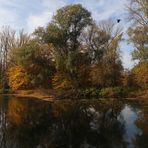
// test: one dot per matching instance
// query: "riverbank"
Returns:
(51, 94)
(141, 94)
(43, 94)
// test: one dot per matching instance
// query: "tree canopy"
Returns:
(74, 52)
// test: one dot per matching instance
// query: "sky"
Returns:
(29, 14)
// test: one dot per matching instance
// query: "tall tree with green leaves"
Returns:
(64, 33)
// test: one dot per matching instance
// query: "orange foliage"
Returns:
(17, 111)
(18, 78)
(60, 82)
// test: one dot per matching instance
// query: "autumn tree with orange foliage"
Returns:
(34, 59)
(76, 53)
(18, 78)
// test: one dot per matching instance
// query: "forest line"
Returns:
(74, 53)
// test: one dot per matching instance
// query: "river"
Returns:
(110, 123)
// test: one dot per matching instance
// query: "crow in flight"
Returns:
(118, 20)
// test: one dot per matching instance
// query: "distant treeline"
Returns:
(74, 52)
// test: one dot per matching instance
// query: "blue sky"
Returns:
(29, 14)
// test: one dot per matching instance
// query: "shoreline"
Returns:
(36, 93)
(44, 98)
(50, 95)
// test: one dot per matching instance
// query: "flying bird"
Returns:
(118, 20)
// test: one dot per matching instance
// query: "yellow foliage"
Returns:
(141, 74)
(18, 78)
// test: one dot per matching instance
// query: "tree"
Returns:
(102, 43)
(139, 38)
(128, 78)
(9, 41)
(35, 59)
(64, 33)
(39, 34)
(67, 26)
(95, 41)
(140, 74)
(18, 78)
(138, 13)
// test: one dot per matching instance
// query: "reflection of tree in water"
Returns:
(26, 123)
(142, 123)
(63, 124)
(3, 122)
(85, 124)
(36, 120)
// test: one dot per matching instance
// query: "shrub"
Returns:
(106, 92)
(140, 73)
(113, 92)
(90, 92)
(18, 78)
(61, 82)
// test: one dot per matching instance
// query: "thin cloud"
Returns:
(35, 21)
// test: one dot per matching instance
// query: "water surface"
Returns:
(32, 123)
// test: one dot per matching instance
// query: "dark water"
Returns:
(31, 123)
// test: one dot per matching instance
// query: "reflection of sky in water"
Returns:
(129, 117)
